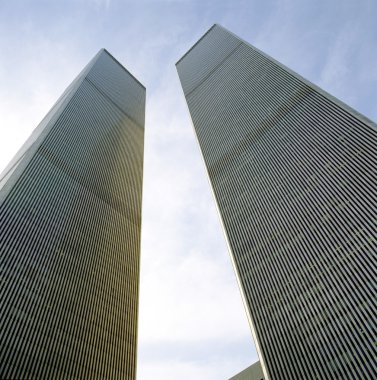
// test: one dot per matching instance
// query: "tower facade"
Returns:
(293, 172)
(70, 216)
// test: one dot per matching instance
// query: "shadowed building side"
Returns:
(70, 214)
(293, 172)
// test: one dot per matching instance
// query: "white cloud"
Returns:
(188, 292)
(187, 280)
(189, 370)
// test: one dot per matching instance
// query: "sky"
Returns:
(192, 323)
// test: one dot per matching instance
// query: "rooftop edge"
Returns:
(122, 66)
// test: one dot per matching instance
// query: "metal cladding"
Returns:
(70, 215)
(293, 172)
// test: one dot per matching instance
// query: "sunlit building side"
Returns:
(70, 217)
(293, 172)
(253, 372)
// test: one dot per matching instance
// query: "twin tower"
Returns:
(293, 172)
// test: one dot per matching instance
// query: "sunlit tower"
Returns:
(293, 171)
(70, 216)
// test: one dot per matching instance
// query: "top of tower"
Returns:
(104, 50)
(200, 39)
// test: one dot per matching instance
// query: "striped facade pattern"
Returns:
(293, 171)
(70, 218)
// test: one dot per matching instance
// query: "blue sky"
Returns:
(192, 323)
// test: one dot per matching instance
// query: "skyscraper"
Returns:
(70, 215)
(253, 372)
(293, 171)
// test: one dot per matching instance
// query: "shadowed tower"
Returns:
(293, 171)
(70, 215)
